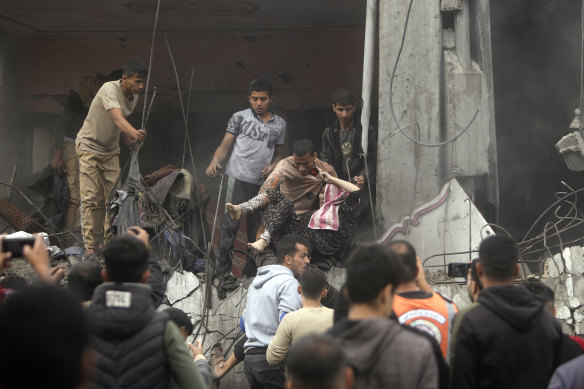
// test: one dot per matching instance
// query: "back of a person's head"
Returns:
(369, 269)
(83, 278)
(343, 97)
(406, 254)
(126, 259)
(181, 319)
(312, 283)
(498, 255)
(316, 362)
(13, 282)
(134, 68)
(302, 147)
(260, 85)
(115, 75)
(288, 246)
(43, 336)
(542, 292)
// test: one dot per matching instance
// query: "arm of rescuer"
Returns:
(278, 155)
(220, 154)
(275, 178)
(180, 362)
(280, 343)
(200, 361)
(421, 277)
(156, 279)
(129, 134)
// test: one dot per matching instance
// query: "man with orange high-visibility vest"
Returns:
(416, 305)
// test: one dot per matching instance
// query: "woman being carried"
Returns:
(328, 228)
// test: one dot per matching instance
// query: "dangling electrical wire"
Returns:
(150, 64)
(394, 117)
(186, 123)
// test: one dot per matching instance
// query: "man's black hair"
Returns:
(474, 275)
(133, 67)
(313, 282)
(115, 75)
(343, 97)
(180, 318)
(369, 270)
(43, 334)
(302, 147)
(498, 255)
(315, 362)
(83, 278)
(126, 259)
(260, 85)
(13, 282)
(287, 246)
(406, 254)
(541, 290)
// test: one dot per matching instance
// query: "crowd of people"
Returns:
(386, 328)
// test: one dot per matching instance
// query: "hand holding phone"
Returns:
(458, 269)
(14, 246)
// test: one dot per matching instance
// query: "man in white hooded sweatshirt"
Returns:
(272, 294)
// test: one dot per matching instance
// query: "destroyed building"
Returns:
(469, 98)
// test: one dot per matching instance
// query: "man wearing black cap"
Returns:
(506, 339)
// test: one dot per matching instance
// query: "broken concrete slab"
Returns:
(180, 286)
(571, 147)
(448, 223)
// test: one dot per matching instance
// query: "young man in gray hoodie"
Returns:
(272, 294)
(382, 353)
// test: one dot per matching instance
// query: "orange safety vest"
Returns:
(433, 315)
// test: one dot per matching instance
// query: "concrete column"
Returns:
(407, 173)
(462, 34)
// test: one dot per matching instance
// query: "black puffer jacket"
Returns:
(128, 335)
(505, 340)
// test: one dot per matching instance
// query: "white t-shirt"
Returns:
(99, 133)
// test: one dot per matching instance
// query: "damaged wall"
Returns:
(439, 85)
(186, 291)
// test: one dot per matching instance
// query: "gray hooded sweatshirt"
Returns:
(383, 354)
(272, 294)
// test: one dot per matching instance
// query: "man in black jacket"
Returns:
(341, 146)
(137, 347)
(506, 339)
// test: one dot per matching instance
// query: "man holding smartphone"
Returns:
(416, 304)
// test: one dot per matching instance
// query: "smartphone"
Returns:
(458, 269)
(15, 245)
(150, 231)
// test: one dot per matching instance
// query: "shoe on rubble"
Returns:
(228, 282)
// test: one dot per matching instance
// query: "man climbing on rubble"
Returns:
(341, 147)
(272, 294)
(65, 131)
(257, 136)
(298, 178)
(98, 149)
